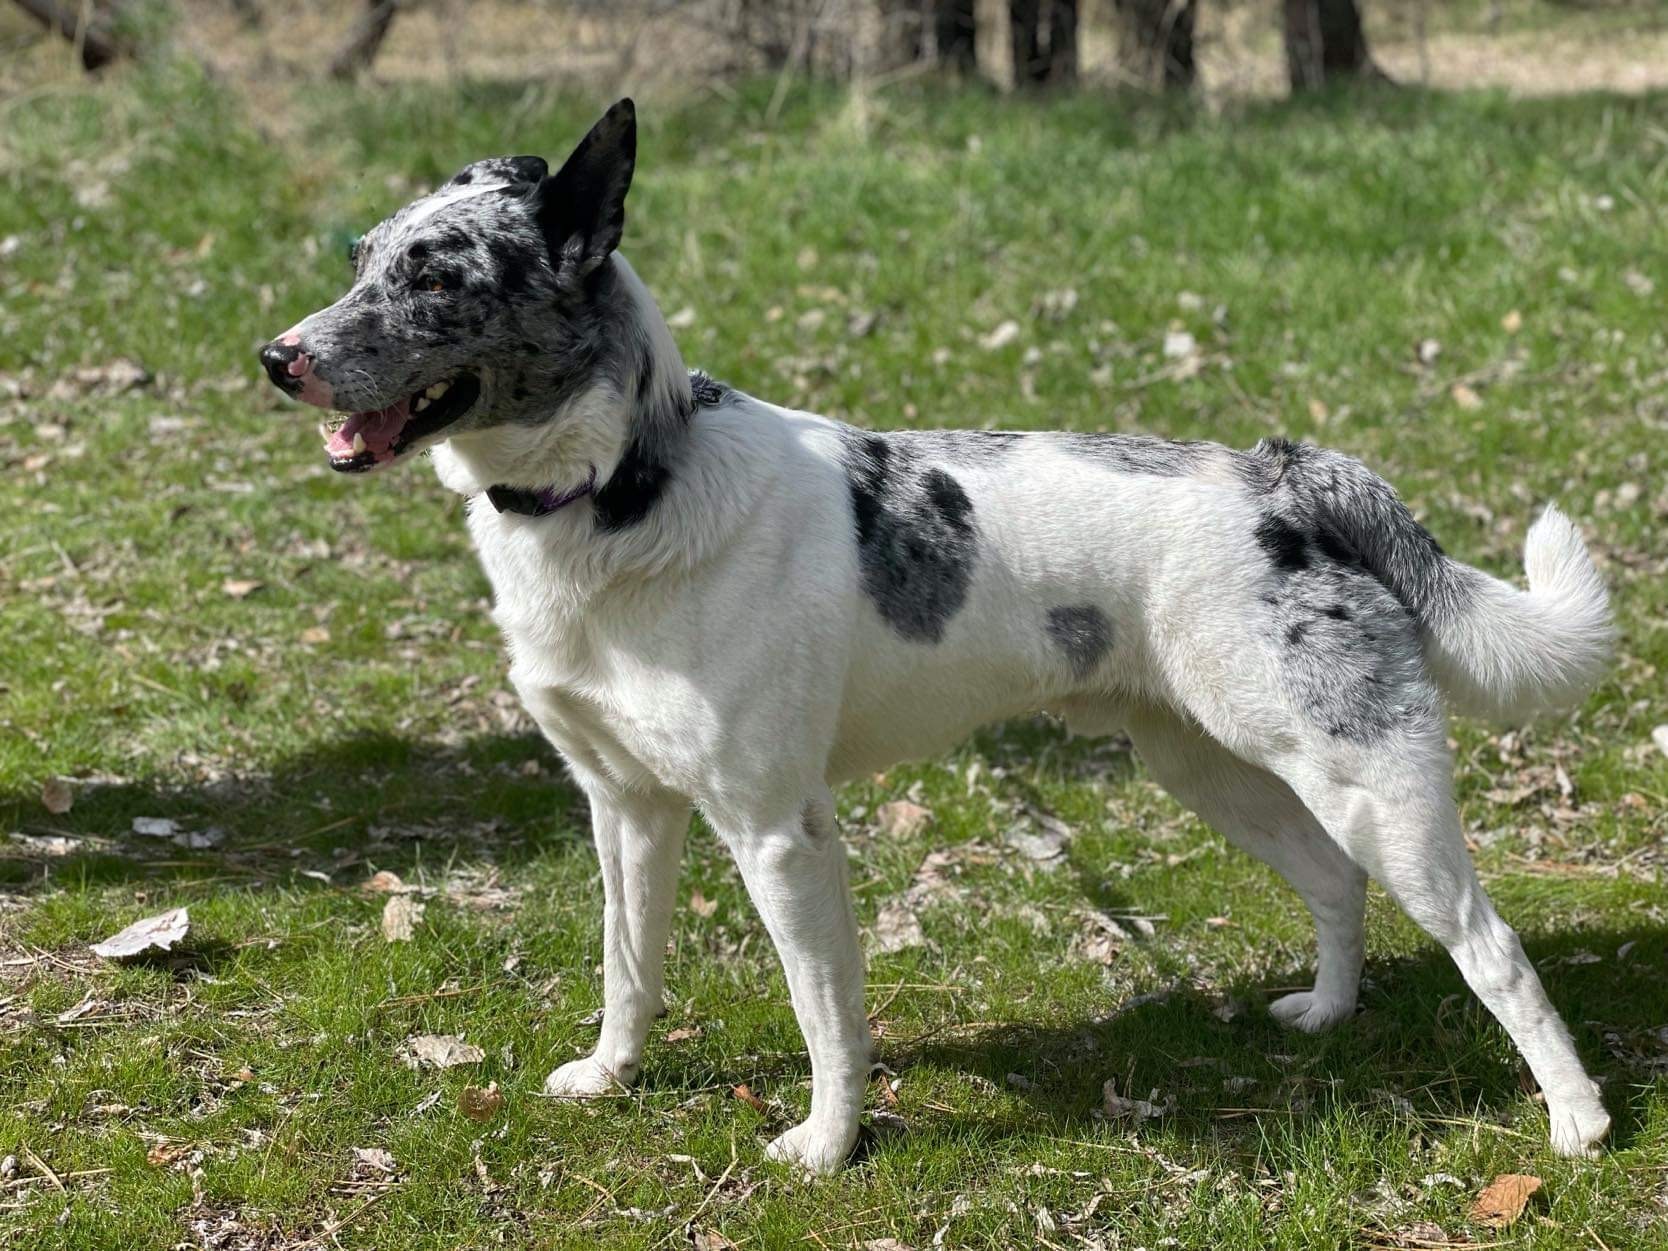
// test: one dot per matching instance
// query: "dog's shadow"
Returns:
(1218, 1067)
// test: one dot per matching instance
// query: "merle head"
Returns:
(481, 304)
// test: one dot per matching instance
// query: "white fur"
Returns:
(723, 654)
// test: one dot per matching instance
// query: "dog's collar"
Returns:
(540, 503)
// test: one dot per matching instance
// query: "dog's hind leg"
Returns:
(639, 840)
(1258, 813)
(1390, 805)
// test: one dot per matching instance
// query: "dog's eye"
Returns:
(433, 284)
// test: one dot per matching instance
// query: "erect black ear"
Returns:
(582, 206)
(522, 171)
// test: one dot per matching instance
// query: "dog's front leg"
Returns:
(639, 842)
(795, 870)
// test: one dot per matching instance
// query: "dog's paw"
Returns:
(586, 1079)
(1578, 1129)
(1306, 1012)
(813, 1147)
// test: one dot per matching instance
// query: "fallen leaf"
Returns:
(1000, 337)
(314, 635)
(902, 819)
(241, 588)
(376, 1158)
(157, 933)
(1118, 1107)
(1049, 845)
(1427, 350)
(712, 1240)
(165, 1153)
(700, 905)
(898, 927)
(1502, 1201)
(439, 1051)
(56, 796)
(385, 882)
(1179, 344)
(885, 1244)
(683, 1033)
(1465, 397)
(683, 319)
(481, 1103)
(1659, 736)
(746, 1095)
(1512, 322)
(400, 917)
(156, 827)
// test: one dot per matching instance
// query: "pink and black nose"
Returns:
(285, 363)
(293, 370)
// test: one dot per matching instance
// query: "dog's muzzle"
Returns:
(291, 370)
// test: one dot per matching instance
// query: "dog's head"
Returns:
(479, 305)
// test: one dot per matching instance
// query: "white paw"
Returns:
(1309, 1013)
(815, 1148)
(586, 1079)
(1577, 1129)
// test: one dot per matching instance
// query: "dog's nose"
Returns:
(278, 358)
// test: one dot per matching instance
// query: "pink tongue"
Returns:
(378, 430)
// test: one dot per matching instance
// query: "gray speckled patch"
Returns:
(1083, 633)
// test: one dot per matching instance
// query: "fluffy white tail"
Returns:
(1509, 655)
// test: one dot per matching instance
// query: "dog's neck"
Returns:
(625, 422)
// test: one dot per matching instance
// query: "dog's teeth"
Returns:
(437, 390)
(421, 404)
(358, 444)
(324, 431)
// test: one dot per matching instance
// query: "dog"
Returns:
(711, 601)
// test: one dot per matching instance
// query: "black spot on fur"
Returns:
(1284, 543)
(707, 393)
(1135, 453)
(1337, 612)
(915, 536)
(633, 490)
(1083, 632)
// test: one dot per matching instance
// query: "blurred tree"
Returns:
(80, 25)
(1155, 41)
(1325, 41)
(1044, 40)
(366, 40)
(955, 32)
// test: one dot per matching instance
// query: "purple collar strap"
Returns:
(540, 503)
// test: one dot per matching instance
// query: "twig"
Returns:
(43, 1166)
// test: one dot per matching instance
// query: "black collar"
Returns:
(539, 503)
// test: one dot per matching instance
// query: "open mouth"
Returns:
(359, 442)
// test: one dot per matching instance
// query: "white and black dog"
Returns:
(712, 601)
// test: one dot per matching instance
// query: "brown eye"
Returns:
(434, 285)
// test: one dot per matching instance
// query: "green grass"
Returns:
(350, 714)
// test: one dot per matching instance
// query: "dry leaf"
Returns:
(439, 1051)
(56, 796)
(157, 933)
(1503, 1199)
(377, 1159)
(156, 827)
(400, 917)
(683, 1033)
(314, 635)
(902, 819)
(897, 927)
(1512, 322)
(1117, 1107)
(241, 588)
(1000, 337)
(1659, 736)
(746, 1095)
(481, 1103)
(712, 1240)
(700, 905)
(385, 882)
(165, 1153)
(1465, 397)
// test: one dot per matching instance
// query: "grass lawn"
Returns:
(198, 621)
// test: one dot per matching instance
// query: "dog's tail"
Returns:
(1497, 652)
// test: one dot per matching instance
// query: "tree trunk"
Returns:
(1062, 43)
(96, 46)
(955, 29)
(1155, 41)
(1044, 36)
(1325, 41)
(365, 42)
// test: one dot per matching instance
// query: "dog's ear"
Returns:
(581, 207)
(515, 171)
